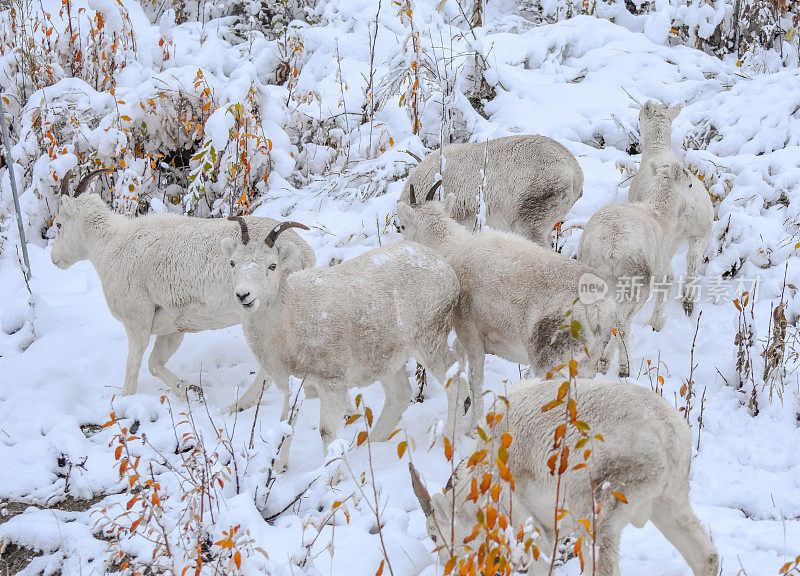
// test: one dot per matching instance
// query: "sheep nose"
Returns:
(242, 296)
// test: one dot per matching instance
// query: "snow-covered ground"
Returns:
(62, 355)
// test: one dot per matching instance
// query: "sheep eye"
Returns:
(434, 539)
(272, 266)
(233, 264)
(58, 225)
(402, 227)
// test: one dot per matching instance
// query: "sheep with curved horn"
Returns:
(345, 326)
(515, 297)
(650, 469)
(162, 274)
(531, 182)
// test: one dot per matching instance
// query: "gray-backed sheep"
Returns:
(515, 296)
(345, 326)
(531, 183)
(697, 213)
(645, 455)
(633, 245)
(162, 274)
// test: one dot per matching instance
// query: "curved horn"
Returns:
(412, 196)
(273, 235)
(243, 226)
(65, 183)
(83, 184)
(432, 191)
(420, 491)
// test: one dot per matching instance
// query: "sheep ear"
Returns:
(449, 203)
(227, 247)
(289, 257)
(648, 107)
(674, 111)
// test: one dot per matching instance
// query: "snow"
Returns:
(578, 80)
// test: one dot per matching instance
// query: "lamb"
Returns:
(531, 183)
(345, 326)
(697, 215)
(515, 296)
(645, 455)
(634, 244)
(161, 274)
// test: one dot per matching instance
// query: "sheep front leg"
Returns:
(332, 406)
(138, 339)
(676, 520)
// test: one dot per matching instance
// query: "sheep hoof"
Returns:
(624, 372)
(688, 306)
(602, 365)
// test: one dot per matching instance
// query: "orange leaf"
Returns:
(237, 558)
(620, 496)
(401, 448)
(573, 368)
(362, 436)
(506, 439)
(450, 565)
(448, 449)
(495, 493)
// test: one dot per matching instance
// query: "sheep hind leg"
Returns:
(397, 393)
(165, 346)
(693, 256)
(676, 520)
(455, 391)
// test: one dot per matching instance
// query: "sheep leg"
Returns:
(332, 407)
(470, 339)
(697, 246)
(677, 522)
(254, 392)
(657, 319)
(607, 557)
(163, 349)
(397, 393)
(138, 339)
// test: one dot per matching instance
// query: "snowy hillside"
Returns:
(208, 110)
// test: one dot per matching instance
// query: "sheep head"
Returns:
(257, 267)
(69, 245)
(655, 122)
(416, 221)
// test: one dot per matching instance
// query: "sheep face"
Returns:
(69, 246)
(416, 222)
(258, 269)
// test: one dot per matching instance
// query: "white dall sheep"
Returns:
(531, 183)
(633, 245)
(162, 274)
(515, 296)
(697, 213)
(645, 455)
(344, 326)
